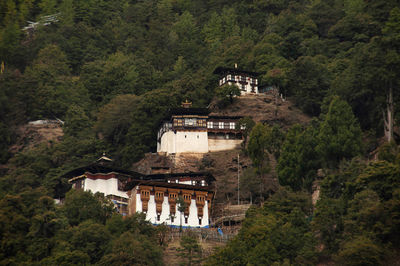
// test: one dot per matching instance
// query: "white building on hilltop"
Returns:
(192, 130)
(246, 81)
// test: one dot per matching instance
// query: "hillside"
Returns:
(264, 108)
(223, 165)
(113, 69)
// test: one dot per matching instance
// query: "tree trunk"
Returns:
(388, 117)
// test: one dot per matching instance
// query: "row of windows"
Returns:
(237, 78)
(160, 195)
(189, 122)
(223, 125)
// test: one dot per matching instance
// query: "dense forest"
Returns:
(111, 70)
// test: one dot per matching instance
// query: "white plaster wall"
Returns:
(223, 144)
(193, 220)
(168, 143)
(183, 141)
(106, 186)
(187, 141)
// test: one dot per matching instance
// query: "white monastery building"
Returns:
(246, 81)
(100, 177)
(155, 195)
(192, 130)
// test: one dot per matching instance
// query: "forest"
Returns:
(111, 70)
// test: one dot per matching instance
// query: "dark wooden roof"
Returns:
(131, 183)
(235, 71)
(225, 117)
(189, 111)
(96, 168)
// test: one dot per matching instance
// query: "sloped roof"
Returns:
(235, 71)
(96, 168)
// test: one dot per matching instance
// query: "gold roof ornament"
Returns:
(104, 158)
(186, 104)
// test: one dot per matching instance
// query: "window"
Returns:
(190, 122)
(210, 124)
(232, 125)
(178, 122)
(172, 219)
(199, 221)
(221, 125)
(243, 127)
(158, 217)
(186, 220)
(201, 122)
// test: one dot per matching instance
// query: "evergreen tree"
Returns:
(340, 134)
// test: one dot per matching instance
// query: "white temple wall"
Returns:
(223, 144)
(193, 220)
(168, 143)
(106, 186)
(191, 141)
(183, 142)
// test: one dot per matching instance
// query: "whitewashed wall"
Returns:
(193, 220)
(183, 142)
(223, 144)
(106, 186)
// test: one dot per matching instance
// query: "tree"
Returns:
(298, 163)
(391, 37)
(226, 94)
(181, 208)
(190, 249)
(360, 251)
(133, 249)
(80, 206)
(246, 124)
(258, 151)
(340, 134)
(308, 82)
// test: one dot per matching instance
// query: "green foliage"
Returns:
(225, 94)
(298, 163)
(190, 249)
(360, 251)
(121, 65)
(132, 249)
(80, 206)
(276, 233)
(308, 82)
(340, 134)
(35, 231)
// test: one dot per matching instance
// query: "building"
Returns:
(246, 81)
(157, 196)
(192, 130)
(101, 177)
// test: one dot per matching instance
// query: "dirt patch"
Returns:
(264, 108)
(29, 136)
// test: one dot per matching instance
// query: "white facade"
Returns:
(183, 142)
(246, 84)
(192, 221)
(106, 186)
